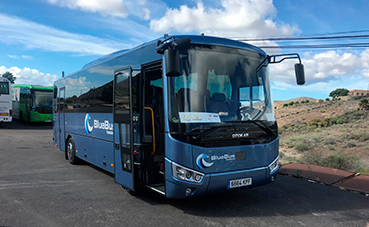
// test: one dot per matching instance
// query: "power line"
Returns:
(320, 46)
(305, 38)
(312, 35)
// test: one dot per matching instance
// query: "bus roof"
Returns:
(3, 79)
(37, 87)
(195, 39)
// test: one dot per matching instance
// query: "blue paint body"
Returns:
(97, 137)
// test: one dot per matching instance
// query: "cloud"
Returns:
(29, 76)
(348, 82)
(14, 30)
(13, 56)
(114, 8)
(27, 57)
(235, 18)
(324, 67)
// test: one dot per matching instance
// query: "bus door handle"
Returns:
(116, 146)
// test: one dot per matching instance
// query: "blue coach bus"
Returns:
(183, 116)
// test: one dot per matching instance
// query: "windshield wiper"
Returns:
(264, 127)
(209, 130)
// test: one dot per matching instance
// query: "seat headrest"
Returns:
(218, 97)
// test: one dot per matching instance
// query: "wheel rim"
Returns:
(70, 150)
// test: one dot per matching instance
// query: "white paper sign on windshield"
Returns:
(198, 117)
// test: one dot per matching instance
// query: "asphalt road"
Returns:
(38, 187)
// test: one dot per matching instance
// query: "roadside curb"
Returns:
(345, 180)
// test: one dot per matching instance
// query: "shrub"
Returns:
(342, 161)
(329, 121)
(363, 136)
(292, 159)
(363, 171)
(331, 147)
(301, 147)
(285, 104)
(313, 157)
(364, 104)
(351, 143)
(322, 111)
(291, 103)
(316, 122)
(336, 160)
(317, 137)
(329, 140)
(341, 121)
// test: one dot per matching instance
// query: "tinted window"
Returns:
(4, 88)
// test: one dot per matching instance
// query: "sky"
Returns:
(41, 38)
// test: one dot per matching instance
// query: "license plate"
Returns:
(239, 182)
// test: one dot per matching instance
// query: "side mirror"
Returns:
(172, 62)
(300, 74)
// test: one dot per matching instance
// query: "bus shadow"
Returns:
(18, 125)
(288, 196)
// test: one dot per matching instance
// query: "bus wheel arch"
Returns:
(70, 151)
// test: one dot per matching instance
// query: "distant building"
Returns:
(356, 92)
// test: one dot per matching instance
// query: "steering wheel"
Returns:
(247, 113)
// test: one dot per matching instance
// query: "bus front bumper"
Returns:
(217, 182)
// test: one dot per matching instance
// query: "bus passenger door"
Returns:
(60, 107)
(123, 131)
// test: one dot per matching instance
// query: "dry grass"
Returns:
(333, 133)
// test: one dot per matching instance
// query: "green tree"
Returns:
(9, 76)
(339, 92)
(291, 103)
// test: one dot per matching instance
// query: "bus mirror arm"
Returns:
(299, 67)
(169, 47)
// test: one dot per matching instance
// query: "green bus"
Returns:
(32, 103)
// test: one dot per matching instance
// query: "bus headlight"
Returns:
(183, 173)
(274, 165)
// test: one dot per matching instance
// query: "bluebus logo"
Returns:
(88, 127)
(104, 125)
(202, 163)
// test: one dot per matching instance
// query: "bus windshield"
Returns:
(4, 88)
(219, 85)
(42, 101)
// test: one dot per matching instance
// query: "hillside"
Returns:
(332, 133)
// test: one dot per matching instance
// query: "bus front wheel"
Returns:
(71, 152)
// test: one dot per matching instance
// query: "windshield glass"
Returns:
(218, 86)
(4, 88)
(42, 101)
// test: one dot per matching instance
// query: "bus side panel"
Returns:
(56, 135)
(15, 101)
(103, 153)
(96, 125)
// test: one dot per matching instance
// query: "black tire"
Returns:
(71, 151)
